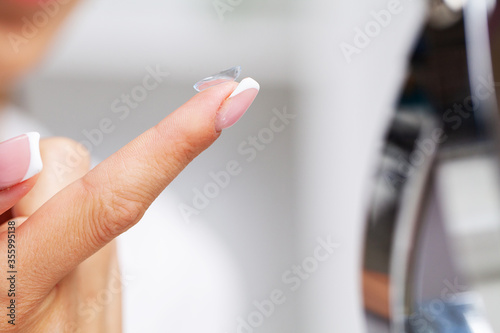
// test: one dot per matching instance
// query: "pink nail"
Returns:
(19, 159)
(237, 103)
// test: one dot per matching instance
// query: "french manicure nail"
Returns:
(237, 103)
(19, 159)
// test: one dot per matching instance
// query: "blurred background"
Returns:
(308, 181)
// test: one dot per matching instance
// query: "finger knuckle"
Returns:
(184, 152)
(113, 211)
(67, 151)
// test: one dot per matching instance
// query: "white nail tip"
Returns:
(36, 164)
(245, 84)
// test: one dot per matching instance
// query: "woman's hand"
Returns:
(66, 276)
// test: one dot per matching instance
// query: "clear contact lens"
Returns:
(230, 74)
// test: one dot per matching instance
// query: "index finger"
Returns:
(111, 198)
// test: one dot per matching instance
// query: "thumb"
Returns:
(20, 162)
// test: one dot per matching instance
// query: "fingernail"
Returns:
(19, 159)
(230, 74)
(237, 103)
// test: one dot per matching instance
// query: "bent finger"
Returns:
(55, 152)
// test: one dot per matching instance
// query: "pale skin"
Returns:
(65, 227)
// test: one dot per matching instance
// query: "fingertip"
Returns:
(237, 104)
(194, 122)
(72, 155)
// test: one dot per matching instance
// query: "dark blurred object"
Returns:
(441, 150)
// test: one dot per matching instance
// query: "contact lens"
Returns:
(230, 74)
